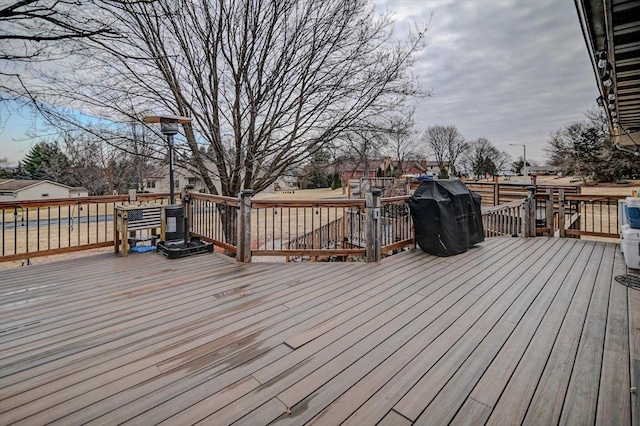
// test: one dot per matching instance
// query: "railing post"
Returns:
(244, 227)
(562, 232)
(530, 213)
(549, 212)
(186, 207)
(373, 227)
(496, 191)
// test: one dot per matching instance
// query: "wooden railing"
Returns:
(36, 228)
(495, 194)
(589, 215)
(575, 215)
(294, 229)
(506, 219)
(551, 212)
(397, 226)
(312, 229)
(214, 218)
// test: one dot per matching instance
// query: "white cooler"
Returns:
(630, 247)
(623, 229)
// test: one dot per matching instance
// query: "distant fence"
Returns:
(494, 193)
(35, 228)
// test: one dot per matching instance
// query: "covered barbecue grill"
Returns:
(446, 216)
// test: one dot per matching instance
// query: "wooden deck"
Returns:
(515, 331)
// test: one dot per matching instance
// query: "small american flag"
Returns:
(144, 218)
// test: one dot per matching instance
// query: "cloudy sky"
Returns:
(512, 71)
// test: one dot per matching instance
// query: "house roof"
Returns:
(612, 32)
(17, 185)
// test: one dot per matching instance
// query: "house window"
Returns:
(176, 183)
(193, 181)
(151, 184)
(45, 195)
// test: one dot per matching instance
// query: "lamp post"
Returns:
(524, 157)
(169, 127)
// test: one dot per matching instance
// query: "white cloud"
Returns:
(511, 71)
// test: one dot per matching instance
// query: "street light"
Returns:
(524, 157)
(169, 127)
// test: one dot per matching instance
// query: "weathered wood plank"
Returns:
(208, 346)
(385, 376)
(514, 401)
(394, 419)
(472, 413)
(548, 399)
(634, 336)
(495, 378)
(203, 409)
(614, 398)
(452, 352)
(581, 397)
(286, 292)
(446, 403)
(109, 374)
(275, 378)
(410, 276)
(157, 412)
(354, 397)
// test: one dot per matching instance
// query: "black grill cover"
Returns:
(446, 216)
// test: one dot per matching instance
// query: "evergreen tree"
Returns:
(45, 160)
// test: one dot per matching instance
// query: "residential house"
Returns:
(182, 175)
(18, 189)
(78, 191)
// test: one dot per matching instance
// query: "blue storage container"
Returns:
(632, 211)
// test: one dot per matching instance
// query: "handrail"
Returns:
(36, 228)
(215, 198)
(339, 203)
(505, 220)
(384, 200)
(47, 202)
(501, 207)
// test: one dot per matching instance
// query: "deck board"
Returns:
(515, 330)
(613, 407)
(493, 359)
(418, 336)
(634, 336)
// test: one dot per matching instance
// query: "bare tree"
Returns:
(33, 30)
(401, 141)
(483, 158)
(358, 148)
(265, 82)
(446, 143)
(126, 162)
